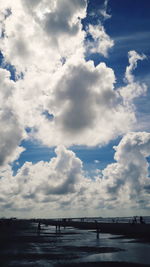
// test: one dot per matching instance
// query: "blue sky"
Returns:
(76, 110)
(129, 27)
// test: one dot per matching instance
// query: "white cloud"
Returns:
(85, 108)
(133, 89)
(11, 132)
(44, 40)
(100, 13)
(62, 184)
(83, 100)
(103, 10)
(101, 41)
(37, 34)
(96, 161)
(133, 58)
(130, 172)
(80, 97)
(39, 182)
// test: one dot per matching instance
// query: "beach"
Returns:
(21, 244)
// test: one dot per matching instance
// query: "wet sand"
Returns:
(127, 229)
(103, 264)
(22, 245)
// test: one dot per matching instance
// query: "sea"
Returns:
(146, 219)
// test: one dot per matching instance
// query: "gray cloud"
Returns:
(58, 17)
(82, 101)
(76, 89)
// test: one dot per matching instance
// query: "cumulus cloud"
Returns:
(11, 132)
(41, 32)
(101, 41)
(39, 182)
(64, 100)
(62, 183)
(130, 172)
(83, 101)
(79, 97)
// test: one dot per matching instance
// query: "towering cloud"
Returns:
(130, 172)
(85, 107)
(52, 75)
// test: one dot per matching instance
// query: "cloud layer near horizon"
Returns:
(63, 183)
(59, 99)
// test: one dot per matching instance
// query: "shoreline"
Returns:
(124, 229)
(138, 231)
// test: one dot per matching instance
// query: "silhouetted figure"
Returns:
(39, 228)
(134, 220)
(97, 229)
(117, 220)
(64, 223)
(141, 220)
(56, 226)
(59, 226)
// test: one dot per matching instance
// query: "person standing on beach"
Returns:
(141, 220)
(134, 220)
(97, 229)
(39, 228)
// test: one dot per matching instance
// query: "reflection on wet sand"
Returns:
(28, 243)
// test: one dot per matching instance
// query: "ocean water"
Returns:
(115, 219)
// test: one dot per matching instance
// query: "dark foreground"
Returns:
(22, 245)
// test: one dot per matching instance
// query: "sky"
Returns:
(74, 108)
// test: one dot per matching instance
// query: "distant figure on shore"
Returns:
(115, 220)
(97, 229)
(57, 226)
(134, 220)
(64, 223)
(141, 220)
(39, 228)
